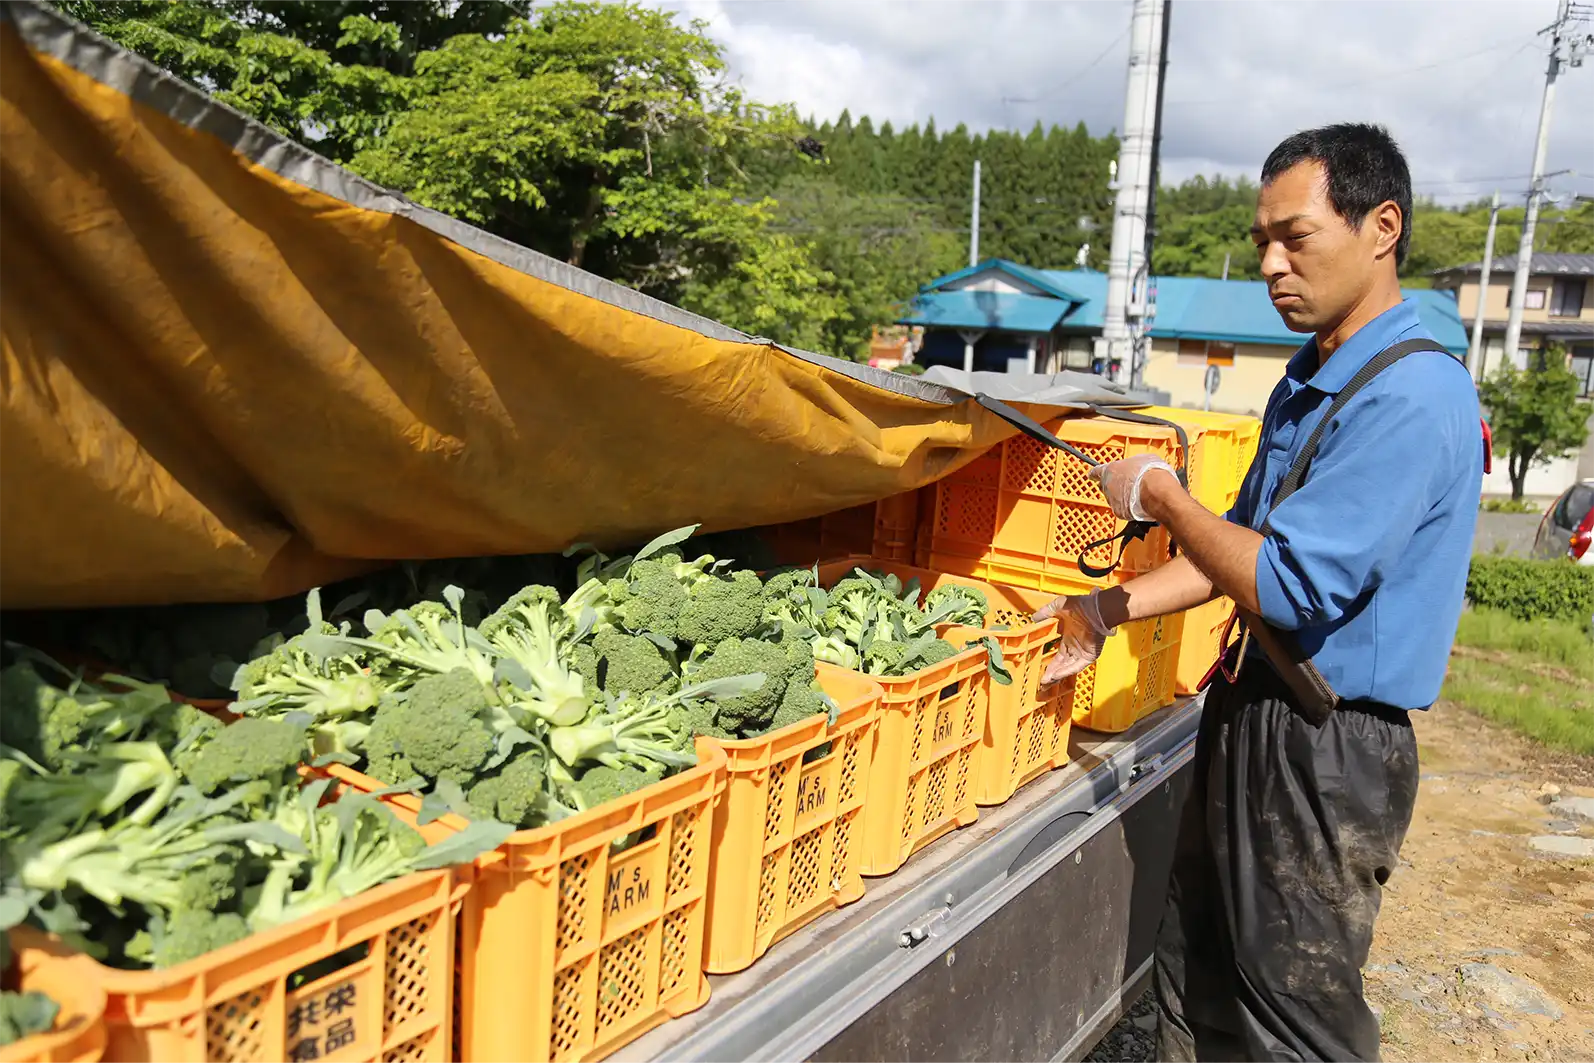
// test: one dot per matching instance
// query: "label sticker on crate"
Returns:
(635, 884)
(813, 792)
(323, 1023)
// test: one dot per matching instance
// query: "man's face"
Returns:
(1317, 266)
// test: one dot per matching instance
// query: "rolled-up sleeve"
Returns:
(1366, 493)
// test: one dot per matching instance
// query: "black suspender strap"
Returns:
(1377, 364)
(1314, 698)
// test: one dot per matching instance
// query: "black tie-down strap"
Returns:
(1132, 530)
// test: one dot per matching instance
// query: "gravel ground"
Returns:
(1133, 1040)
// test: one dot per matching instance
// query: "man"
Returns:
(1291, 828)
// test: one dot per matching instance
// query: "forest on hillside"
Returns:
(609, 135)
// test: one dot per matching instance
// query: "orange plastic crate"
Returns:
(1021, 514)
(921, 783)
(896, 527)
(839, 534)
(787, 833)
(1026, 734)
(1202, 642)
(568, 949)
(43, 966)
(1134, 675)
(1222, 448)
(380, 986)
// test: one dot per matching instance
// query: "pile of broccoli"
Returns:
(146, 832)
(545, 708)
(872, 622)
(552, 704)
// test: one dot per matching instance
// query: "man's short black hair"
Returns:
(1364, 166)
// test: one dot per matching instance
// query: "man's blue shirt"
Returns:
(1367, 562)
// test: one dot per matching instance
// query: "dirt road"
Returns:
(1485, 943)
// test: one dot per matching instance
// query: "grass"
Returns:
(1536, 677)
(1508, 505)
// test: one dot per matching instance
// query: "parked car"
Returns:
(1568, 526)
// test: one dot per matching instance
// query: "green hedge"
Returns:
(1532, 590)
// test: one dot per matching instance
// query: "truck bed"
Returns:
(1020, 937)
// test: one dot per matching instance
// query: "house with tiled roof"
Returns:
(1006, 317)
(1558, 309)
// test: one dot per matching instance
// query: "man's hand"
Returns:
(1121, 482)
(1081, 632)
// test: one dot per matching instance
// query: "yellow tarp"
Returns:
(221, 384)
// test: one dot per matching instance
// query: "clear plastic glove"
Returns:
(1081, 633)
(1121, 480)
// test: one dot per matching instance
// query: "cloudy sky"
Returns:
(1458, 81)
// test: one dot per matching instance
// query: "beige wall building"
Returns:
(1559, 308)
(1247, 372)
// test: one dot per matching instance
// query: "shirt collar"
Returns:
(1355, 352)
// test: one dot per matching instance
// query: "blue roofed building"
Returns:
(1013, 318)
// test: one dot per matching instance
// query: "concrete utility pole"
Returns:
(1125, 305)
(1477, 357)
(974, 220)
(1568, 41)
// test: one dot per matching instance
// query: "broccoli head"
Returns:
(957, 603)
(601, 783)
(584, 660)
(936, 652)
(801, 701)
(296, 677)
(788, 580)
(192, 932)
(734, 657)
(533, 632)
(516, 793)
(186, 726)
(212, 885)
(46, 722)
(701, 718)
(655, 598)
(631, 663)
(34, 722)
(436, 731)
(905, 658)
(721, 608)
(247, 750)
(11, 772)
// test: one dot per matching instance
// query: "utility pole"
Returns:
(1145, 285)
(1477, 357)
(1133, 176)
(1568, 41)
(974, 220)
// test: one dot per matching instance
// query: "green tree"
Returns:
(877, 249)
(601, 134)
(1535, 414)
(301, 91)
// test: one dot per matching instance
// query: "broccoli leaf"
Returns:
(733, 686)
(511, 739)
(665, 541)
(479, 836)
(668, 645)
(993, 661)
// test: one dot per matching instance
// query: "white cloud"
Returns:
(1458, 83)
